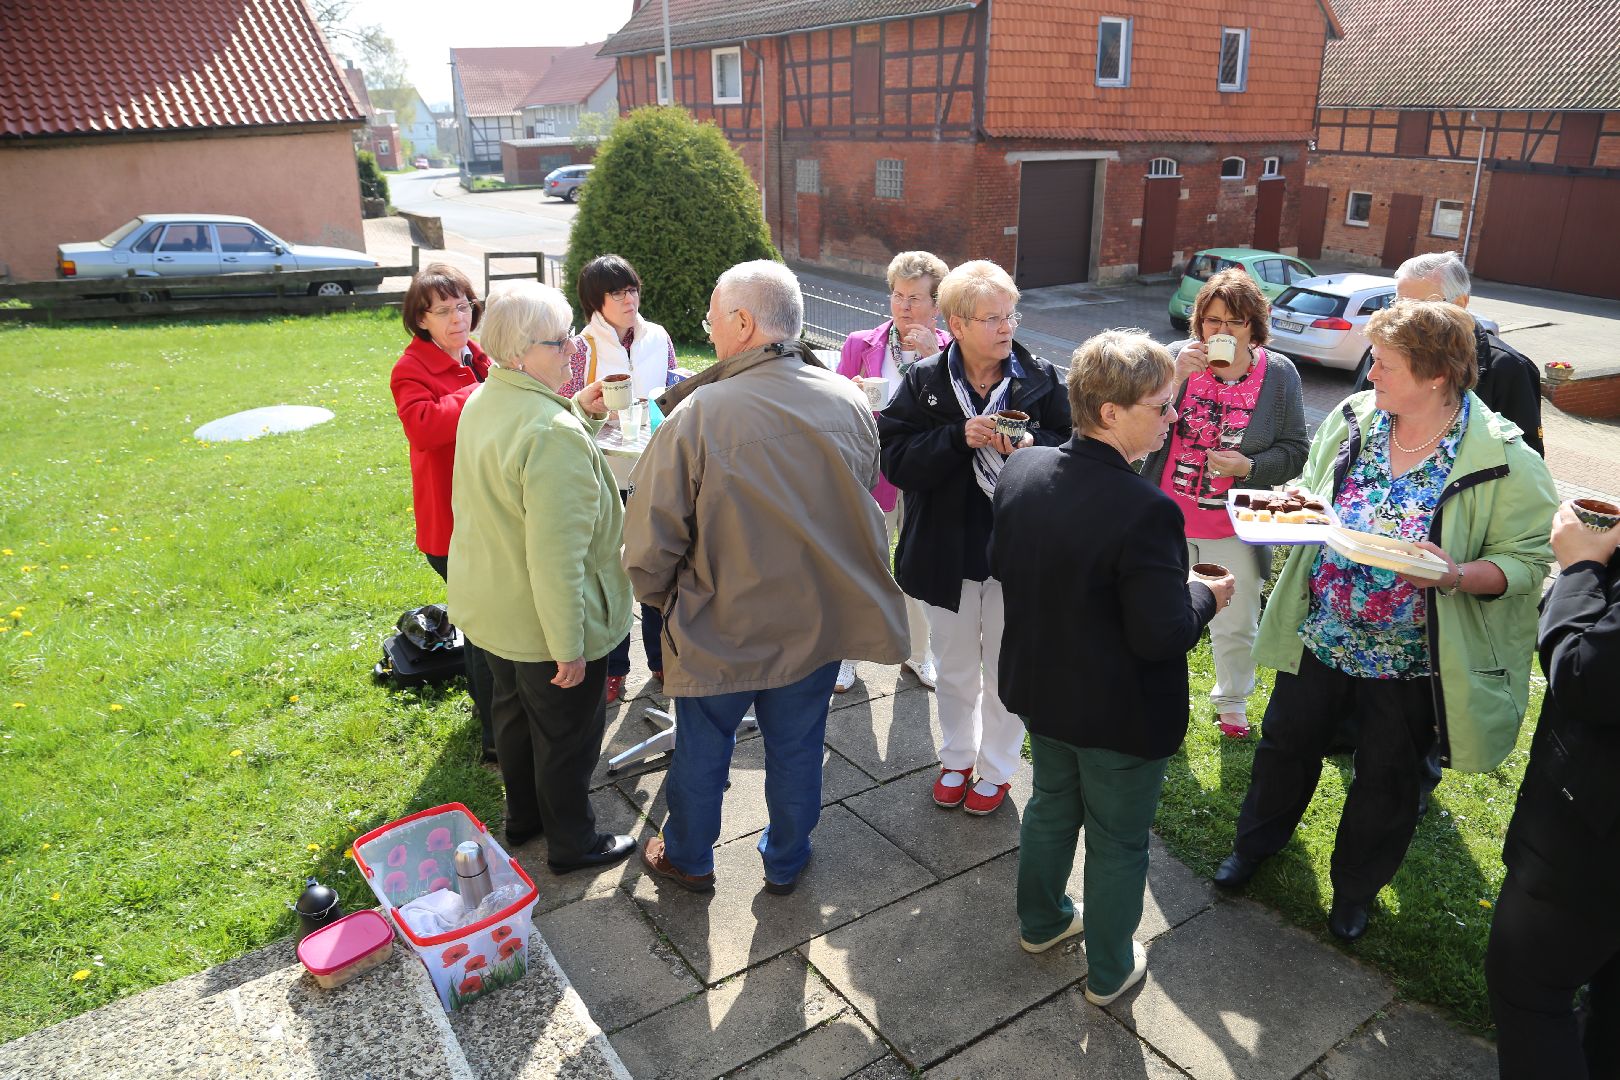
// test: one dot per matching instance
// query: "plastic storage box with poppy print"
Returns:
(412, 857)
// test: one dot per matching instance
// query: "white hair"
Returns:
(518, 315)
(769, 292)
(1443, 268)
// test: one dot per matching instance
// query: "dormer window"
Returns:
(1113, 51)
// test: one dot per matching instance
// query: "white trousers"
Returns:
(1232, 631)
(978, 731)
(916, 610)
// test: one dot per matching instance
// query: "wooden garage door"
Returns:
(1054, 222)
(1552, 232)
(1313, 204)
(1160, 198)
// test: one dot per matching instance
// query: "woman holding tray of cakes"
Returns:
(1441, 653)
(1241, 424)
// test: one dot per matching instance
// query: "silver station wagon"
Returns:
(155, 246)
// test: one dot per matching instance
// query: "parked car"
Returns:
(1324, 319)
(187, 245)
(1271, 271)
(564, 183)
(420, 163)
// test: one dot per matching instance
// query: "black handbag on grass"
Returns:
(425, 648)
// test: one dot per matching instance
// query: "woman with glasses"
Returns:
(1240, 425)
(887, 352)
(618, 341)
(535, 575)
(431, 382)
(1415, 659)
(941, 447)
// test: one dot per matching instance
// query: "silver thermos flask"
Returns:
(472, 874)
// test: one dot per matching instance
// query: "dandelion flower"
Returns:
(26, 633)
(1486, 904)
(293, 699)
(46, 846)
(64, 566)
(312, 847)
(115, 707)
(7, 551)
(236, 753)
(56, 896)
(27, 569)
(19, 704)
(81, 975)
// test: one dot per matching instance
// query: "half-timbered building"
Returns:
(1490, 129)
(490, 88)
(1069, 141)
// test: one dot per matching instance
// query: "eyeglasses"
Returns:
(708, 329)
(1224, 324)
(1164, 407)
(558, 343)
(621, 295)
(463, 308)
(906, 303)
(996, 321)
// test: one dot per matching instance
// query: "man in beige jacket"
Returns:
(751, 526)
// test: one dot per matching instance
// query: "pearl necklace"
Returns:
(1427, 443)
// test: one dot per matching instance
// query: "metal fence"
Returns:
(830, 316)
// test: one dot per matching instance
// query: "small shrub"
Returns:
(672, 196)
(373, 184)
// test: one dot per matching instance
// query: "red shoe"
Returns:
(984, 804)
(615, 688)
(947, 795)
(1233, 725)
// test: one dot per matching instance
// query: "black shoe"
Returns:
(609, 850)
(1236, 871)
(1423, 804)
(781, 888)
(1347, 922)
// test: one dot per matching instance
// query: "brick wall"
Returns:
(1597, 397)
(1383, 177)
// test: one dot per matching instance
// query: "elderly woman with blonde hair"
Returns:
(1421, 460)
(941, 447)
(536, 580)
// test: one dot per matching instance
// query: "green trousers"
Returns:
(1114, 797)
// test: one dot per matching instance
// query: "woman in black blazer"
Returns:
(1093, 564)
(1557, 921)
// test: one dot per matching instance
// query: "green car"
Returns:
(1271, 271)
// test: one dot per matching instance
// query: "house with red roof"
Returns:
(1472, 126)
(577, 83)
(1068, 140)
(113, 108)
(491, 87)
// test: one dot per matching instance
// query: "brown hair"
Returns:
(435, 281)
(1437, 338)
(1243, 299)
(1116, 366)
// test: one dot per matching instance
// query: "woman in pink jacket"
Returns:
(878, 357)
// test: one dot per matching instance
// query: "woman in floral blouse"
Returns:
(1420, 458)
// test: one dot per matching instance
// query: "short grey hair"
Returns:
(914, 265)
(518, 315)
(769, 292)
(1444, 268)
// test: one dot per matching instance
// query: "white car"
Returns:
(1324, 319)
(186, 245)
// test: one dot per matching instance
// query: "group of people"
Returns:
(1047, 528)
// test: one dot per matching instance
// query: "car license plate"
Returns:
(1284, 324)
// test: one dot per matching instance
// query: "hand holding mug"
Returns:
(1573, 541)
(1193, 358)
(920, 340)
(590, 399)
(979, 431)
(1223, 587)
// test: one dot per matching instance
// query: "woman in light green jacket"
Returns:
(538, 581)
(1415, 661)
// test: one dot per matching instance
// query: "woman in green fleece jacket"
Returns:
(538, 581)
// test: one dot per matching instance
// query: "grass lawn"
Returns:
(188, 726)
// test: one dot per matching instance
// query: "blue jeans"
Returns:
(793, 723)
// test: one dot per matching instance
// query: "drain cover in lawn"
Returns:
(270, 420)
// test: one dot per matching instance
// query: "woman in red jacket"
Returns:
(439, 370)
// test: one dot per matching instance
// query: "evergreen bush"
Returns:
(670, 195)
(373, 184)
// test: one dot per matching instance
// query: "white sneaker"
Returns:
(926, 672)
(846, 676)
(1138, 970)
(1077, 926)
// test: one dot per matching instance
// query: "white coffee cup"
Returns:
(616, 392)
(908, 357)
(876, 390)
(1222, 350)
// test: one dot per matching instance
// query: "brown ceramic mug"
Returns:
(1597, 515)
(1209, 571)
(1012, 424)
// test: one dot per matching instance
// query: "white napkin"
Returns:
(438, 912)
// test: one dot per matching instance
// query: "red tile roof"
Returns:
(709, 22)
(1474, 54)
(357, 83)
(573, 76)
(495, 82)
(81, 67)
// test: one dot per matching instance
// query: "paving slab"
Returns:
(889, 736)
(615, 960)
(1067, 1036)
(875, 681)
(731, 1024)
(947, 842)
(888, 1068)
(1409, 1041)
(614, 814)
(852, 871)
(941, 968)
(744, 810)
(628, 725)
(844, 1045)
(1236, 992)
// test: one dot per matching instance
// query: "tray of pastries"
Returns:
(1291, 516)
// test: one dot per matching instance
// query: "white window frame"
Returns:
(1242, 82)
(1271, 167)
(383, 148)
(890, 172)
(1434, 219)
(1349, 205)
(715, 56)
(1243, 168)
(1157, 168)
(662, 85)
(1123, 76)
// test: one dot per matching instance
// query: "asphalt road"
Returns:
(495, 220)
